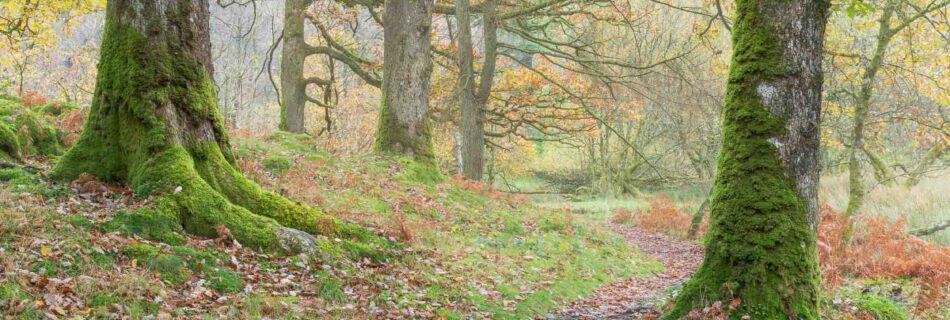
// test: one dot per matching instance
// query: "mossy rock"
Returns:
(35, 128)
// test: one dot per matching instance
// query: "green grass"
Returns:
(472, 254)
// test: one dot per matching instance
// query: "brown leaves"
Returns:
(638, 297)
(663, 216)
(881, 249)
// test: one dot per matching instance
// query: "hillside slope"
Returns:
(97, 251)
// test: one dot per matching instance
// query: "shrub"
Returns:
(664, 217)
(881, 249)
(622, 216)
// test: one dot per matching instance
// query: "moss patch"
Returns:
(148, 224)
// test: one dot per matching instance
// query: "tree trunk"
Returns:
(473, 103)
(698, 217)
(292, 57)
(473, 124)
(913, 177)
(760, 246)
(407, 69)
(861, 109)
(154, 124)
(882, 172)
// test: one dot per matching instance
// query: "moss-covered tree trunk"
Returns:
(760, 247)
(292, 55)
(407, 71)
(154, 124)
(862, 108)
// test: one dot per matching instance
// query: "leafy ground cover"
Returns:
(68, 251)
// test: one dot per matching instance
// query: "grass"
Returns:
(469, 252)
(505, 258)
(924, 205)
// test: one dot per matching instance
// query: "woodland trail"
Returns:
(638, 298)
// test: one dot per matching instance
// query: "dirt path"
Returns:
(638, 298)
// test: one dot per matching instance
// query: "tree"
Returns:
(760, 248)
(154, 124)
(292, 83)
(407, 69)
(887, 30)
(473, 100)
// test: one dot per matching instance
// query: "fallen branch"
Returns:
(931, 229)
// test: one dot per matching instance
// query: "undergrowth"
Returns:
(874, 247)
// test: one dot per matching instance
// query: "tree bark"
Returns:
(882, 172)
(760, 246)
(473, 103)
(293, 54)
(473, 135)
(913, 177)
(407, 69)
(155, 125)
(862, 107)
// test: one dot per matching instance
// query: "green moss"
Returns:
(148, 224)
(10, 174)
(141, 251)
(278, 165)
(881, 308)
(22, 181)
(170, 268)
(197, 260)
(422, 172)
(33, 131)
(9, 145)
(393, 138)
(126, 140)
(759, 246)
(58, 109)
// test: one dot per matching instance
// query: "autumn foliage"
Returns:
(876, 248)
(663, 216)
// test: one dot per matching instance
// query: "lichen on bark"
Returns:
(760, 247)
(154, 124)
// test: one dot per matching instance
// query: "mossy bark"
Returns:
(404, 127)
(862, 108)
(154, 124)
(760, 246)
(293, 54)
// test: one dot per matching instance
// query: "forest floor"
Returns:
(467, 251)
(641, 298)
